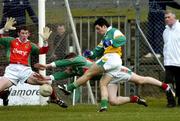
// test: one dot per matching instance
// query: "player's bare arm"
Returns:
(42, 66)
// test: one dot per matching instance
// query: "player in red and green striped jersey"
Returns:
(18, 52)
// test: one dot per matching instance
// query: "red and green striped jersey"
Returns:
(19, 52)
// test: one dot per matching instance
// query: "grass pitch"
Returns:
(156, 111)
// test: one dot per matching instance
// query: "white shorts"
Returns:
(17, 73)
(124, 74)
(111, 63)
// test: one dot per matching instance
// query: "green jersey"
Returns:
(79, 65)
(118, 40)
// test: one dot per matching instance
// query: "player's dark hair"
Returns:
(70, 55)
(19, 28)
(101, 22)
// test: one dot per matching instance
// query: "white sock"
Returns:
(50, 82)
(167, 89)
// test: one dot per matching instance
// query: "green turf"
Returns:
(156, 111)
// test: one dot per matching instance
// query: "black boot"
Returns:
(4, 95)
(170, 99)
(178, 101)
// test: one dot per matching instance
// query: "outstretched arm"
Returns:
(96, 52)
(77, 61)
(45, 35)
(56, 76)
(42, 66)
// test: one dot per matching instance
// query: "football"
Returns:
(45, 90)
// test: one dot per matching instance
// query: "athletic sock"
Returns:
(104, 103)
(72, 86)
(133, 99)
(165, 86)
(53, 95)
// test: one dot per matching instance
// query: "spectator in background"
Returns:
(156, 24)
(60, 43)
(171, 51)
(17, 9)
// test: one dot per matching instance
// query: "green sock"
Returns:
(72, 86)
(104, 103)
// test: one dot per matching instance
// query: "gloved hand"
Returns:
(107, 42)
(46, 33)
(87, 53)
(9, 24)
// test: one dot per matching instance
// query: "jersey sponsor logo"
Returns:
(16, 51)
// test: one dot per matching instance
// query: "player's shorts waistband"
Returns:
(19, 63)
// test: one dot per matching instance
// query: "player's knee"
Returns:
(89, 74)
(141, 80)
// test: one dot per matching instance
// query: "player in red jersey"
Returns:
(18, 52)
